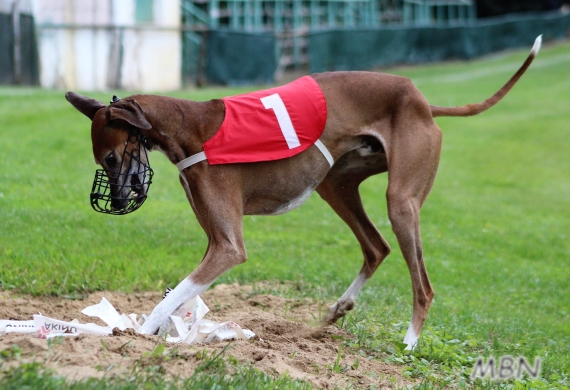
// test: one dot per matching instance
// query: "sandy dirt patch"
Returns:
(289, 339)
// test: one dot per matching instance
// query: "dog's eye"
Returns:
(111, 160)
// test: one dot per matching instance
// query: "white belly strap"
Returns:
(196, 158)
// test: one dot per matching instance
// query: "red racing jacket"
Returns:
(269, 125)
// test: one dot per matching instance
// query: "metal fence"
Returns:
(438, 12)
(367, 49)
(292, 20)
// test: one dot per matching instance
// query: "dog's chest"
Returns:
(279, 187)
(276, 204)
(294, 203)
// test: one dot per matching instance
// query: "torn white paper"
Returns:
(106, 312)
(188, 324)
(8, 326)
(48, 327)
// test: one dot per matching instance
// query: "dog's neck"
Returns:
(200, 122)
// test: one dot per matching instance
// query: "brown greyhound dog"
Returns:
(375, 123)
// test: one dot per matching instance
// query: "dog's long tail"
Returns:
(474, 109)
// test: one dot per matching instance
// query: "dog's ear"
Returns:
(130, 111)
(84, 105)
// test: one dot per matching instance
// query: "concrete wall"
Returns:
(98, 45)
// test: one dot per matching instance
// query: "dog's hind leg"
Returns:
(341, 193)
(412, 166)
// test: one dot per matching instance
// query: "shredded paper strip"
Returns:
(188, 325)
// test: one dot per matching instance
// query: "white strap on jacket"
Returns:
(325, 152)
(187, 162)
(196, 158)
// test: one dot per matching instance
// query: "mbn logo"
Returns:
(506, 369)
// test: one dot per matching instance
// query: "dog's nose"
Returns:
(118, 203)
(136, 183)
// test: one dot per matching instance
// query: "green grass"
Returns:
(495, 227)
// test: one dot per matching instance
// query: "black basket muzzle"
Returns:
(123, 191)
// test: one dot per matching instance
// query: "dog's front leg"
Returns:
(221, 218)
(223, 253)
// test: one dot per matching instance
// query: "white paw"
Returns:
(411, 338)
(160, 316)
(338, 310)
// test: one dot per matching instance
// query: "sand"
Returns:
(289, 339)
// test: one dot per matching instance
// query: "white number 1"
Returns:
(276, 103)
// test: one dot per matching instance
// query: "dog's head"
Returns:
(120, 147)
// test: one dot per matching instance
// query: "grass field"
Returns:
(496, 227)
